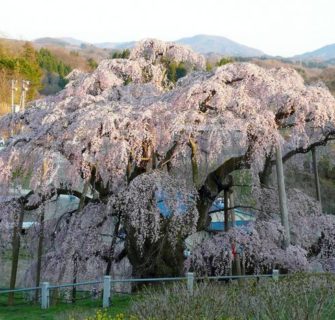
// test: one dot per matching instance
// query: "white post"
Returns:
(45, 295)
(190, 282)
(275, 274)
(107, 292)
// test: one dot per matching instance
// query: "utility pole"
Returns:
(14, 88)
(24, 88)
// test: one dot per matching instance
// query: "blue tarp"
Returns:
(217, 206)
(161, 202)
(219, 225)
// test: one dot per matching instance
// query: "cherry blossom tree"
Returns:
(123, 137)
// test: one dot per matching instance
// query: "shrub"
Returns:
(293, 297)
(104, 315)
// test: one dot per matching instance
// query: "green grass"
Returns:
(23, 310)
(297, 296)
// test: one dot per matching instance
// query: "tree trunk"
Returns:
(195, 169)
(83, 196)
(15, 255)
(282, 197)
(39, 253)
(112, 247)
(265, 175)
(238, 265)
(316, 175)
(74, 277)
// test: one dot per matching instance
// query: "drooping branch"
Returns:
(269, 162)
(329, 137)
(168, 156)
(43, 198)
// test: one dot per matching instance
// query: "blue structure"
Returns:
(216, 213)
(161, 202)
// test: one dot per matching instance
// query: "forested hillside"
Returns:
(45, 69)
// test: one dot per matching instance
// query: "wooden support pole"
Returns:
(316, 175)
(226, 211)
(282, 197)
(232, 211)
(39, 252)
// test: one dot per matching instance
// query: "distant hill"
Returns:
(322, 54)
(221, 45)
(200, 43)
(68, 42)
(51, 41)
(73, 41)
(115, 45)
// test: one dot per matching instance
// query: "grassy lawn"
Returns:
(80, 310)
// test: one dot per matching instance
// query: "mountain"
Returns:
(62, 42)
(51, 41)
(73, 41)
(206, 44)
(199, 43)
(323, 54)
(115, 45)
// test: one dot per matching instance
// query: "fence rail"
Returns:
(107, 282)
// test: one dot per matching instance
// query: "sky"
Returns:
(277, 27)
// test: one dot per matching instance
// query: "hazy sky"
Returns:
(278, 27)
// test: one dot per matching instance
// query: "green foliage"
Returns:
(209, 66)
(181, 70)
(48, 62)
(299, 296)
(105, 315)
(45, 72)
(82, 309)
(55, 72)
(127, 80)
(147, 74)
(92, 63)
(174, 70)
(326, 168)
(223, 61)
(74, 53)
(124, 54)
(23, 66)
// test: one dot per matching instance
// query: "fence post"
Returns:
(107, 292)
(45, 295)
(275, 274)
(190, 282)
